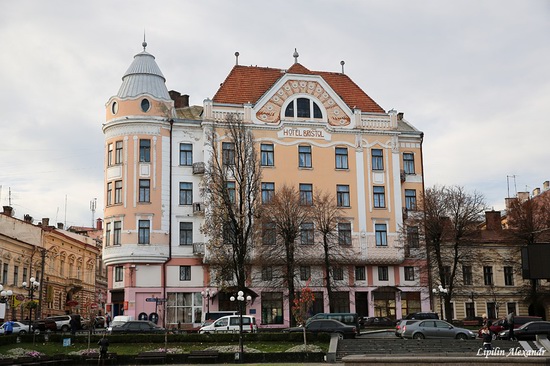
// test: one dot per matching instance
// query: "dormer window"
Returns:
(303, 108)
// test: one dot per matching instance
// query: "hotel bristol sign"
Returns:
(302, 132)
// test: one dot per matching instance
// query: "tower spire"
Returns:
(144, 44)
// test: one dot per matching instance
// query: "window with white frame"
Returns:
(267, 155)
(410, 199)
(186, 193)
(186, 233)
(144, 231)
(307, 233)
(304, 156)
(185, 273)
(381, 235)
(408, 163)
(306, 194)
(360, 274)
(145, 150)
(379, 197)
(303, 108)
(342, 158)
(409, 273)
(377, 159)
(383, 274)
(119, 273)
(342, 195)
(344, 233)
(186, 154)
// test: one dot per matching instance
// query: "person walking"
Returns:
(103, 344)
(510, 321)
(487, 337)
(8, 327)
(108, 320)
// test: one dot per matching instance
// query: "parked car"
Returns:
(380, 321)
(422, 316)
(18, 328)
(400, 326)
(63, 322)
(528, 331)
(137, 326)
(230, 324)
(326, 326)
(43, 325)
(435, 329)
(118, 321)
(352, 319)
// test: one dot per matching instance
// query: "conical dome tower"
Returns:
(137, 179)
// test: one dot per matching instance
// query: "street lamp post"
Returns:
(31, 287)
(5, 296)
(240, 302)
(207, 295)
(441, 291)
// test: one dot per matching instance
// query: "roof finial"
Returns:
(144, 44)
(295, 55)
(342, 63)
(237, 58)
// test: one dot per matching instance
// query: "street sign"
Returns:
(151, 299)
(161, 300)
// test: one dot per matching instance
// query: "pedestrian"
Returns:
(8, 327)
(487, 337)
(103, 344)
(108, 319)
(510, 321)
(74, 325)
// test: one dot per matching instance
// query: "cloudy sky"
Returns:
(473, 75)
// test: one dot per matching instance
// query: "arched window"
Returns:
(303, 108)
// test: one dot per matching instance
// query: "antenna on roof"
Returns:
(237, 58)
(295, 55)
(508, 184)
(342, 63)
(144, 44)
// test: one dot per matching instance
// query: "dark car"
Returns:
(380, 321)
(137, 326)
(422, 316)
(528, 331)
(327, 326)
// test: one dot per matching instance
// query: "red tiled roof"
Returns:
(249, 83)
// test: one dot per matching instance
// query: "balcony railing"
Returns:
(198, 248)
(198, 168)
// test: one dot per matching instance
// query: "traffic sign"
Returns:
(151, 299)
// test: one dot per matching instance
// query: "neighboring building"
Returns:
(491, 282)
(64, 264)
(315, 131)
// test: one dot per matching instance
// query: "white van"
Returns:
(119, 320)
(230, 324)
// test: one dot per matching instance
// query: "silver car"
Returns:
(435, 329)
(401, 325)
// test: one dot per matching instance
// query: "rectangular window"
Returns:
(338, 273)
(24, 279)
(267, 273)
(377, 159)
(267, 153)
(412, 237)
(307, 234)
(488, 275)
(228, 153)
(379, 197)
(272, 308)
(511, 308)
(360, 274)
(508, 276)
(109, 193)
(108, 234)
(118, 152)
(306, 194)
(467, 277)
(186, 233)
(381, 235)
(117, 232)
(305, 273)
(231, 191)
(446, 276)
(304, 156)
(119, 273)
(185, 273)
(344, 233)
(110, 154)
(144, 190)
(268, 233)
(186, 154)
(409, 273)
(144, 231)
(410, 199)
(15, 275)
(408, 163)
(470, 310)
(118, 191)
(186, 193)
(342, 195)
(144, 151)
(342, 158)
(383, 273)
(268, 190)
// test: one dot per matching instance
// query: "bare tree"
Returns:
(451, 220)
(231, 188)
(287, 212)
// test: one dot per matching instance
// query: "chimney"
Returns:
(536, 191)
(492, 220)
(27, 218)
(546, 186)
(60, 225)
(180, 100)
(523, 196)
(8, 211)
(400, 116)
(99, 224)
(45, 222)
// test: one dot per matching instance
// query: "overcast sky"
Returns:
(474, 76)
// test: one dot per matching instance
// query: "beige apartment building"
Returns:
(315, 131)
